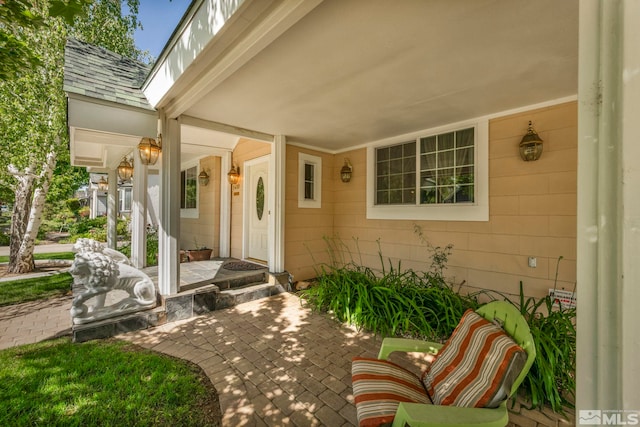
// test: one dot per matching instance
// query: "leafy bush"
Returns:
(392, 302)
(73, 205)
(551, 380)
(4, 239)
(152, 247)
(96, 229)
(83, 226)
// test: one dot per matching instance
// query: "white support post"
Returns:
(93, 211)
(277, 177)
(112, 210)
(169, 232)
(225, 207)
(139, 214)
(608, 236)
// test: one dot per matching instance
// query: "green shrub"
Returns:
(152, 249)
(389, 302)
(551, 380)
(73, 205)
(4, 239)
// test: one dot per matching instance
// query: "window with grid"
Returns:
(438, 174)
(309, 181)
(445, 165)
(396, 174)
(189, 188)
(447, 168)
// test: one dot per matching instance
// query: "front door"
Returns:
(257, 210)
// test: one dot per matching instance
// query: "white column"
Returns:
(93, 211)
(139, 213)
(225, 207)
(112, 210)
(169, 231)
(608, 239)
(277, 177)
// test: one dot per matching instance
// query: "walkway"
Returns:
(272, 361)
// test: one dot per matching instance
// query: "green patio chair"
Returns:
(385, 392)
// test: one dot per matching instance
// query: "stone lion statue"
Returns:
(89, 245)
(98, 273)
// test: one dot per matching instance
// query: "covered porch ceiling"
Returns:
(350, 72)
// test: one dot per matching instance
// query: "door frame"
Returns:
(246, 202)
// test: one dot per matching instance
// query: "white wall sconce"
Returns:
(234, 175)
(531, 145)
(203, 178)
(125, 169)
(149, 150)
(346, 171)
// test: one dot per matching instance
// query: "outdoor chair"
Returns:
(468, 383)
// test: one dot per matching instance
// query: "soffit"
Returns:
(351, 72)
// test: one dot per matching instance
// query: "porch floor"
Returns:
(201, 273)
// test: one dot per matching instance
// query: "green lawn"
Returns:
(106, 383)
(23, 290)
(52, 255)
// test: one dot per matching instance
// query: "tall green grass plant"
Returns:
(390, 301)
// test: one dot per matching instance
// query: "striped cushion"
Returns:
(379, 386)
(476, 367)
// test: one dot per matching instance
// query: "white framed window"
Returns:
(124, 199)
(436, 174)
(189, 191)
(309, 181)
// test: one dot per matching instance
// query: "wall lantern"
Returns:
(234, 175)
(125, 170)
(203, 178)
(103, 184)
(346, 171)
(531, 145)
(149, 150)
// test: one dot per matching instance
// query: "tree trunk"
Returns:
(20, 215)
(24, 257)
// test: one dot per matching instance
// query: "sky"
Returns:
(159, 18)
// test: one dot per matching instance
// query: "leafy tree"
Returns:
(33, 131)
(17, 54)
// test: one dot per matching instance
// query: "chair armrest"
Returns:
(389, 345)
(421, 415)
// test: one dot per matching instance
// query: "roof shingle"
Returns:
(99, 73)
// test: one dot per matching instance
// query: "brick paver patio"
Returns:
(272, 361)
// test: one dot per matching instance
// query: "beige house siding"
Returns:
(306, 228)
(532, 208)
(205, 228)
(245, 150)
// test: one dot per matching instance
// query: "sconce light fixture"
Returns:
(234, 175)
(103, 184)
(125, 169)
(346, 171)
(149, 150)
(203, 178)
(531, 145)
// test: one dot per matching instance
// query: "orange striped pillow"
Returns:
(378, 388)
(476, 367)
